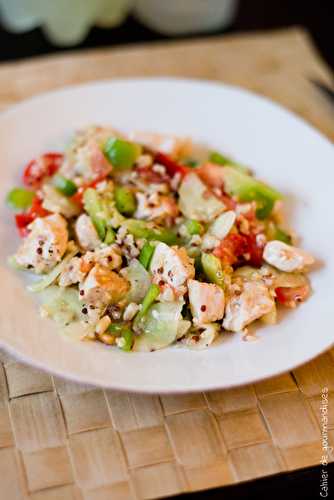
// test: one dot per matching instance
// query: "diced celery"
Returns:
(120, 153)
(125, 200)
(116, 328)
(110, 236)
(93, 207)
(65, 186)
(213, 269)
(149, 298)
(19, 198)
(193, 227)
(146, 254)
(142, 229)
(127, 340)
(220, 159)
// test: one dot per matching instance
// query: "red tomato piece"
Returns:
(36, 209)
(41, 167)
(289, 297)
(23, 220)
(230, 248)
(172, 167)
(255, 249)
(77, 197)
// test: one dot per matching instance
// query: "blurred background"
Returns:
(35, 27)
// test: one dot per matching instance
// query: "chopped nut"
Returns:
(106, 338)
(120, 342)
(102, 325)
(130, 311)
(144, 161)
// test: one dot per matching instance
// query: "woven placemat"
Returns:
(63, 441)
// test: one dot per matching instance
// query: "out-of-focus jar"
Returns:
(67, 22)
(180, 17)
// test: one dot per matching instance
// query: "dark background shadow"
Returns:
(316, 16)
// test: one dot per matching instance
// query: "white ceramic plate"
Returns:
(281, 148)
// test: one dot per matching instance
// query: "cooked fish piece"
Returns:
(207, 301)
(45, 245)
(246, 304)
(286, 257)
(86, 233)
(171, 266)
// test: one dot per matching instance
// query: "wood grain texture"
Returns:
(62, 440)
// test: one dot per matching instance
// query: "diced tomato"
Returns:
(23, 220)
(36, 209)
(172, 167)
(289, 297)
(39, 168)
(77, 197)
(230, 248)
(235, 245)
(255, 249)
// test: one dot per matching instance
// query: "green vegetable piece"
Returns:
(159, 327)
(247, 188)
(121, 154)
(139, 279)
(149, 298)
(264, 206)
(112, 215)
(142, 229)
(64, 186)
(190, 162)
(110, 236)
(116, 328)
(213, 269)
(128, 338)
(146, 253)
(194, 227)
(282, 236)
(125, 200)
(19, 198)
(220, 159)
(93, 207)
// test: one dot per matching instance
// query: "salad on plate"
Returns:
(140, 244)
